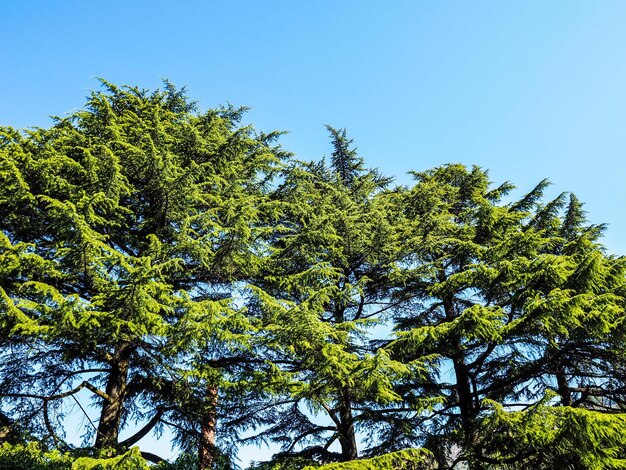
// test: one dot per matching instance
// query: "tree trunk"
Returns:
(563, 386)
(347, 437)
(206, 447)
(111, 413)
(464, 390)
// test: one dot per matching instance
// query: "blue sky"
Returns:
(529, 89)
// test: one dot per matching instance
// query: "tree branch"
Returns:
(146, 428)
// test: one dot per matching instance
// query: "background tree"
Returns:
(329, 278)
(488, 281)
(573, 297)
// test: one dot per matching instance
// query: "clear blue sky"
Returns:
(529, 89)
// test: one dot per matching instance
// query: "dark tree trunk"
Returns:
(555, 357)
(111, 413)
(466, 398)
(563, 386)
(347, 436)
(462, 376)
(206, 447)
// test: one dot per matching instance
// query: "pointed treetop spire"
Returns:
(344, 159)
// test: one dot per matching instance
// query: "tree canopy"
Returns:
(187, 273)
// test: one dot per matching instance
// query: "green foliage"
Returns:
(127, 231)
(131, 460)
(32, 457)
(548, 437)
(189, 461)
(174, 265)
(514, 298)
(408, 459)
(185, 461)
(325, 285)
(285, 463)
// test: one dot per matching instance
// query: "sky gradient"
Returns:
(525, 89)
(528, 90)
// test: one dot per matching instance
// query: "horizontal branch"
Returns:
(60, 396)
(146, 428)
(152, 457)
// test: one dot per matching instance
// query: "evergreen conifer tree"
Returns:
(329, 276)
(125, 230)
(499, 292)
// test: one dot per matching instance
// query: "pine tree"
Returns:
(172, 265)
(126, 228)
(329, 276)
(499, 292)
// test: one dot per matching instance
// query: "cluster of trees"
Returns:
(187, 273)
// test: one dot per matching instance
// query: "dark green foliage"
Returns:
(466, 253)
(189, 461)
(513, 300)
